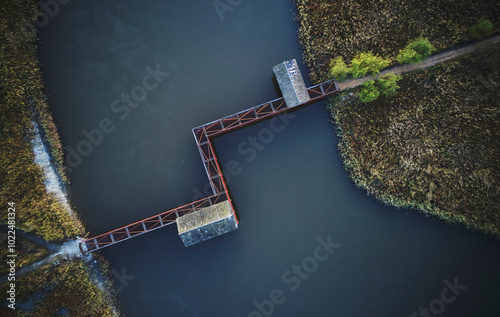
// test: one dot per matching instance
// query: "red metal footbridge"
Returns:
(203, 136)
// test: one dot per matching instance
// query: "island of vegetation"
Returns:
(427, 140)
(60, 286)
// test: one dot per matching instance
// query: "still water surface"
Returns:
(291, 191)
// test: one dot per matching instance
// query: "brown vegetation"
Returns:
(23, 100)
(435, 146)
(27, 251)
(330, 28)
(69, 288)
(63, 290)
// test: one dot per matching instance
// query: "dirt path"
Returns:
(431, 61)
(65, 252)
(44, 243)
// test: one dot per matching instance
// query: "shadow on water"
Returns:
(276, 86)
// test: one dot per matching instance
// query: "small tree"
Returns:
(364, 63)
(415, 51)
(482, 29)
(369, 92)
(388, 84)
(409, 56)
(422, 46)
(338, 69)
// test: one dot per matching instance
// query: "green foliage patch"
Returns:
(338, 69)
(389, 84)
(415, 51)
(385, 85)
(369, 92)
(367, 63)
(482, 29)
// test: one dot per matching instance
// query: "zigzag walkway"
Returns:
(203, 136)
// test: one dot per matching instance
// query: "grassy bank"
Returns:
(70, 288)
(435, 146)
(27, 251)
(23, 100)
(63, 290)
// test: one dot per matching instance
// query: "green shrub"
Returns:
(482, 29)
(407, 55)
(369, 92)
(364, 63)
(388, 84)
(422, 46)
(338, 69)
(415, 51)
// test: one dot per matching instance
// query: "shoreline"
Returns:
(70, 249)
(35, 180)
(349, 152)
(52, 181)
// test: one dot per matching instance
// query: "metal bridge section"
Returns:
(203, 135)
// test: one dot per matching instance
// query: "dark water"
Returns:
(290, 189)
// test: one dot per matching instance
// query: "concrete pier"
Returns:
(291, 83)
(206, 223)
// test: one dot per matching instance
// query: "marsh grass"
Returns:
(23, 100)
(435, 145)
(64, 290)
(330, 28)
(68, 289)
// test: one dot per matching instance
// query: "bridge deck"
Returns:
(203, 135)
(146, 225)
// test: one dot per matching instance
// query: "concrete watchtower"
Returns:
(206, 223)
(291, 83)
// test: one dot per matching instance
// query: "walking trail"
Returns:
(65, 252)
(431, 61)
